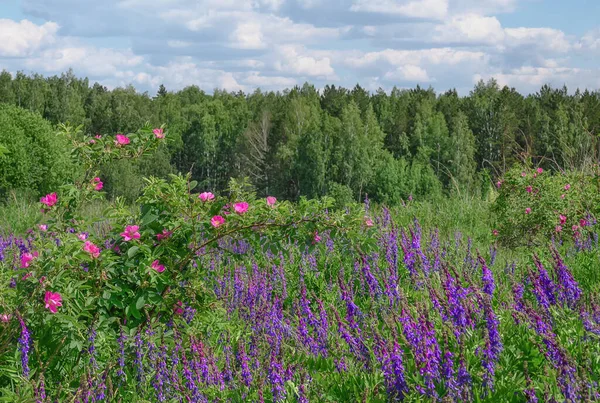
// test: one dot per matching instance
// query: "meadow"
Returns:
(194, 296)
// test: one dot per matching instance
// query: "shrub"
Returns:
(533, 204)
(35, 157)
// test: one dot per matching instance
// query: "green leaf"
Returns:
(132, 251)
(140, 303)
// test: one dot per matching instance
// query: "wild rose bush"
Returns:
(534, 205)
(70, 292)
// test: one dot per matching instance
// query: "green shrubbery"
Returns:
(533, 204)
(34, 156)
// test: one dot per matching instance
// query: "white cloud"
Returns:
(470, 28)
(436, 9)
(486, 7)
(590, 41)
(408, 72)
(529, 78)
(297, 61)
(448, 56)
(544, 38)
(255, 79)
(87, 60)
(20, 39)
(247, 35)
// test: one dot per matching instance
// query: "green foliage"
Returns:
(293, 143)
(34, 156)
(530, 204)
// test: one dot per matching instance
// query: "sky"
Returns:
(277, 44)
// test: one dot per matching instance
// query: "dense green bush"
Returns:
(532, 203)
(35, 157)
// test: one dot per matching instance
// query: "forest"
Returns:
(305, 141)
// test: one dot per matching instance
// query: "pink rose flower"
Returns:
(131, 232)
(558, 228)
(529, 189)
(43, 227)
(49, 200)
(495, 232)
(52, 300)
(122, 140)
(159, 133)
(240, 208)
(178, 308)
(523, 174)
(562, 196)
(368, 222)
(562, 218)
(5, 317)
(92, 249)
(206, 196)
(583, 222)
(567, 186)
(157, 266)
(316, 237)
(528, 210)
(539, 170)
(98, 185)
(217, 221)
(271, 201)
(26, 259)
(164, 235)
(499, 184)
(82, 236)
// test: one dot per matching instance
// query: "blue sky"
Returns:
(276, 44)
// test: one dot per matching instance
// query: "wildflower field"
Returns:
(207, 295)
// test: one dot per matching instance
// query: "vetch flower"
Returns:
(43, 227)
(528, 210)
(206, 196)
(92, 249)
(271, 201)
(5, 317)
(558, 228)
(495, 232)
(52, 301)
(122, 140)
(583, 222)
(368, 222)
(24, 346)
(240, 208)
(82, 236)
(157, 266)
(159, 133)
(529, 189)
(131, 232)
(217, 221)
(49, 200)
(562, 196)
(499, 184)
(523, 174)
(563, 219)
(567, 186)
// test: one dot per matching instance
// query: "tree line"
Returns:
(337, 141)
